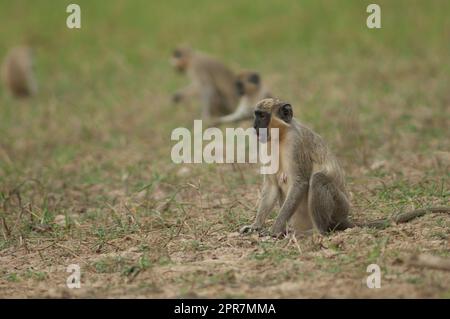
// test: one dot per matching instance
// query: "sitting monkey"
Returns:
(309, 183)
(17, 72)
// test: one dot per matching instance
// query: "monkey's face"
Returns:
(262, 124)
(271, 113)
(248, 83)
(180, 60)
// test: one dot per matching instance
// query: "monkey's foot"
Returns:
(276, 232)
(249, 229)
(264, 233)
(278, 235)
(282, 179)
(304, 233)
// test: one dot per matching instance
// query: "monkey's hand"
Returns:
(177, 97)
(250, 229)
(282, 179)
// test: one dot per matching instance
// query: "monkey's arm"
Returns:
(297, 191)
(185, 93)
(270, 194)
(243, 112)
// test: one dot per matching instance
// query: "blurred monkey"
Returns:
(251, 90)
(17, 72)
(211, 81)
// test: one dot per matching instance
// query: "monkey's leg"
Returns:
(281, 199)
(328, 207)
(185, 93)
(242, 113)
(208, 98)
(270, 194)
(294, 196)
(222, 104)
(281, 180)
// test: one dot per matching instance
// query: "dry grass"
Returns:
(86, 175)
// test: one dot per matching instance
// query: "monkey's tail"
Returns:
(399, 218)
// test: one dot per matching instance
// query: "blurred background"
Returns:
(97, 135)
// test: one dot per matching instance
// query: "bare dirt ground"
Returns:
(86, 176)
(177, 236)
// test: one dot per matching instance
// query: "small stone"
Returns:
(184, 171)
(377, 165)
(60, 220)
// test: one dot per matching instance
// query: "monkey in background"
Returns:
(17, 72)
(309, 183)
(251, 91)
(211, 81)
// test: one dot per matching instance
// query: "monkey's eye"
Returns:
(261, 114)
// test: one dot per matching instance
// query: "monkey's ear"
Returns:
(254, 78)
(286, 113)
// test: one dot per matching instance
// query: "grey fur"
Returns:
(315, 194)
